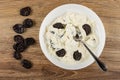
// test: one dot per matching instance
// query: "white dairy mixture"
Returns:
(57, 39)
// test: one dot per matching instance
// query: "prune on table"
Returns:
(26, 11)
(77, 55)
(26, 64)
(29, 41)
(19, 28)
(18, 38)
(17, 55)
(87, 28)
(58, 25)
(28, 23)
(61, 53)
(20, 47)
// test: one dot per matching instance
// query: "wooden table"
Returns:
(10, 69)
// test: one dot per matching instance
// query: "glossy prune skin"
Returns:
(29, 41)
(58, 26)
(28, 23)
(26, 11)
(61, 53)
(19, 28)
(77, 55)
(18, 38)
(26, 64)
(87, 28)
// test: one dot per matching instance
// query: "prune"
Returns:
(77, 55)
(61, 53)
(25, 11)
(26, 64)
(20, 47)
(29, 41)
(58, 25)
(18, 38)
(19, 28)
(87, 28)
(17, 55)
(28, 23)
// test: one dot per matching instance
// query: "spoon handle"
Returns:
(99, 62)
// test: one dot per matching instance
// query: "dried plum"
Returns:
(58, 26)
(28, 23)
(19, 28)
(26, 64)
(20, 47)
(25, 11)
(77, 55)
(18, 38)
(29, 41)
(87, 28)
(61, 53)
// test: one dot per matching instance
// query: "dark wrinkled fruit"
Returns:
(87, 28)
(77, 55)
(19, 28)
(58, 25)
(28, 23)
(25, 11)
(17, 55)
(18, 38)
(20, 47)
(61, 53)
(29, 41)
(26, 64)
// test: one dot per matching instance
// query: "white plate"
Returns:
(60, 11)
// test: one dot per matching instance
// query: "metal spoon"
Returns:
(99, 62)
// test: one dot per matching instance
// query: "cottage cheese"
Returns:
(57, 39)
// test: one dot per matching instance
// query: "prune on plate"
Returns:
(26, 11)
(26, 64)
(29, 41)
(28, 23)
(18, 38)
(87, 28)
(58, 25)
(61, 53)
(77, 55)
(17, 55)
(19, 28)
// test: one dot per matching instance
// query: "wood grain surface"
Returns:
(10, 69)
